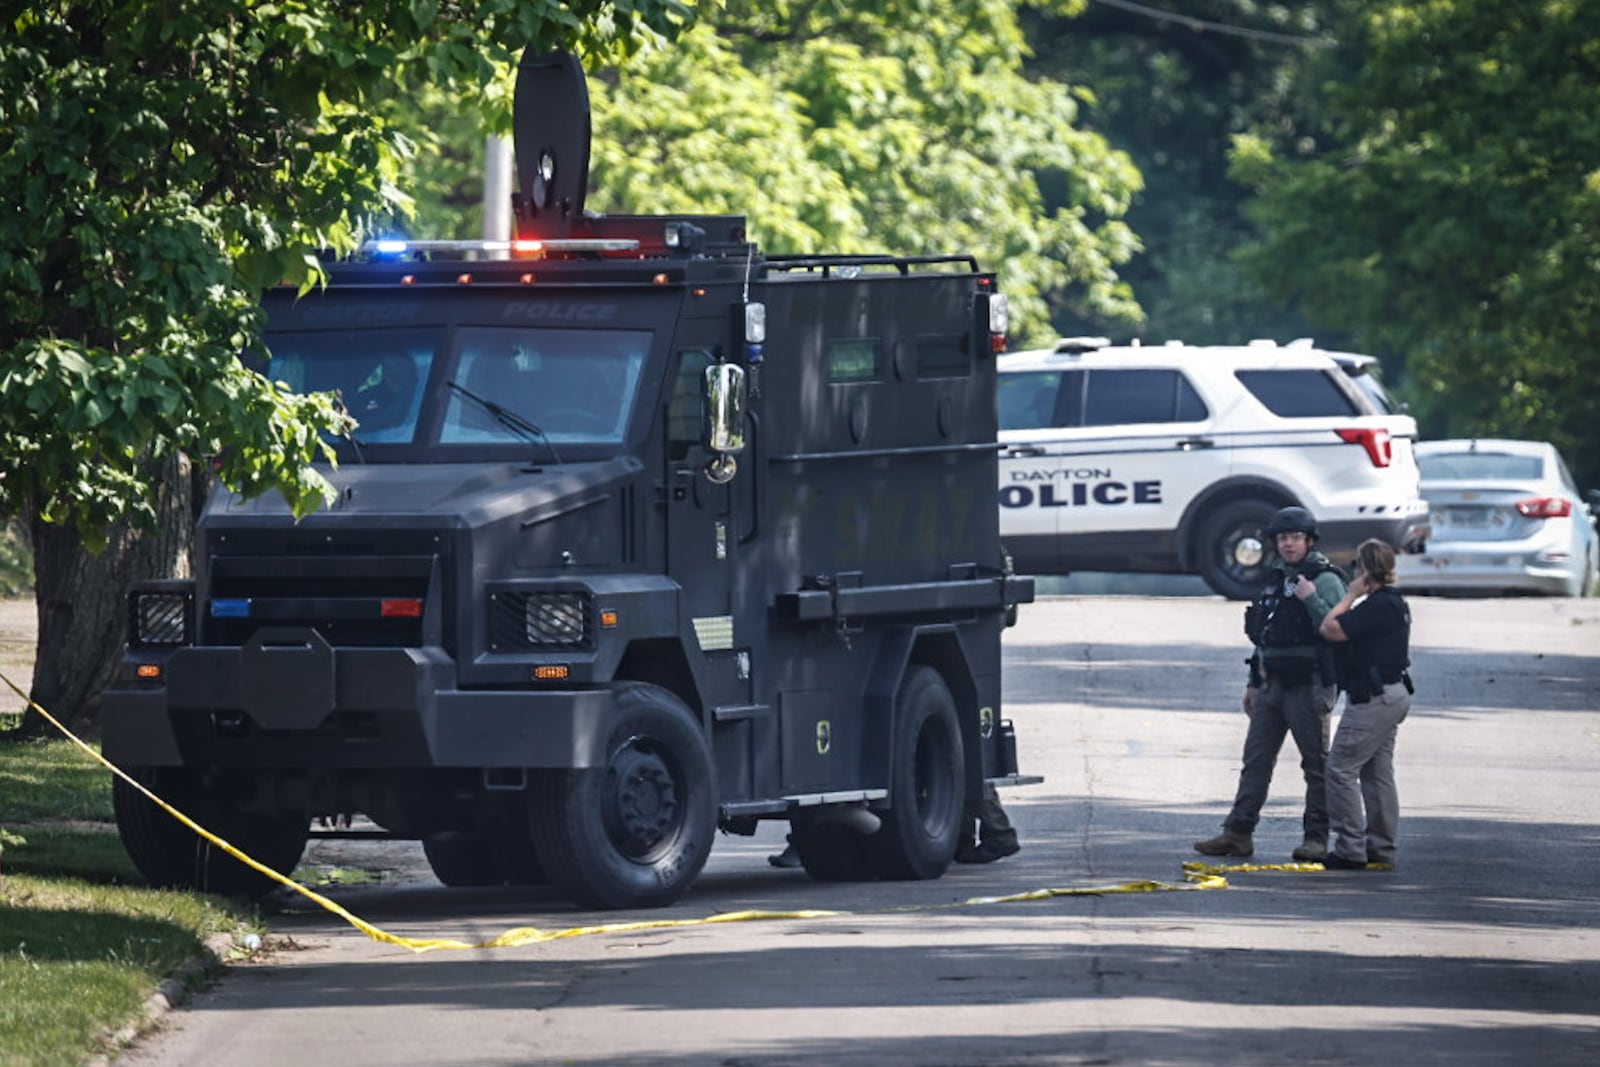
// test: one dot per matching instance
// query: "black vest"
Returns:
(1276, 618)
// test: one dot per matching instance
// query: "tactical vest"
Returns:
(1277, 619)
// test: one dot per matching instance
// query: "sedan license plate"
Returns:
(1468, 518)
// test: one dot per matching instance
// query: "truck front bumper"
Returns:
(309, 705)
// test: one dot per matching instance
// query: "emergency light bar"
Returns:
(523, 246)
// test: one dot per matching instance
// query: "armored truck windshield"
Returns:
(456, 390)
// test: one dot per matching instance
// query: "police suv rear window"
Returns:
(1298, 394)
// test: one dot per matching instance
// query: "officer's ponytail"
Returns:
(1376, 558)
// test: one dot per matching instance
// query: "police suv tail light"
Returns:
(1380, 449)
(1545, 507)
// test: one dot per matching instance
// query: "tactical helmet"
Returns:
(1292, 520)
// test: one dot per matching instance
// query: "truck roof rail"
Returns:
(827, 264)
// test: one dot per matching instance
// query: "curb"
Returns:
(170, 993)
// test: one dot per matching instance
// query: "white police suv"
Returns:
(1170, 458)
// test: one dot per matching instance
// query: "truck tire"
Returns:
(171, 856)
(635, 832)
(1230, 551)
(516, 859)
(833, 853)
(927, 791)
(461, 860)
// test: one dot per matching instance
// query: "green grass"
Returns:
(83, 943)
(94, 855)
(51, 780)
(78, 960)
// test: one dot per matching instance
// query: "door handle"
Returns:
(1024, 450)
(1189, 444)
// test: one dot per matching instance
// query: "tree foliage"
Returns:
(905, 126)
(1175, 83)
(1458, 225)
(165, 160)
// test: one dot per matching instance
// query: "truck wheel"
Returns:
(1231, 551)
(833, 853)
(635, 832)
(515, 858)
(927, 795)
(461, 860)
(172, 856)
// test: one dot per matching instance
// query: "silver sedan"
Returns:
(1507, 517)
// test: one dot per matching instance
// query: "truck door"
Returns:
(703, 536)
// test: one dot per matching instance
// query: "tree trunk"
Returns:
(82, 600)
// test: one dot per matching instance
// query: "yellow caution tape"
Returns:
(1195, 870)
(1200, 878)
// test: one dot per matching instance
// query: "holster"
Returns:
(1289, 671)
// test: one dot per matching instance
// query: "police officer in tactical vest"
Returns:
(1291, 688)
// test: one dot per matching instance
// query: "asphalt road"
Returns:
(1481, 948)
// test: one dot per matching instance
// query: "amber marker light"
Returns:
(659, 279)
(408, 279)
(527, 279)
(608, 618)
(148, 670)
(463, 279)
(553, 672)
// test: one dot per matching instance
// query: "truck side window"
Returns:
(686, 409)
(942, 356)
(855, 360)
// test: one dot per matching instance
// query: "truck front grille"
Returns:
(351, 601)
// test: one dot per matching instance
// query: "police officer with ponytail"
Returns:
(1372, 626)
(1292, 687)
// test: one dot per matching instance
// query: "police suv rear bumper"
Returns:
(343, 708)
(1406, 532)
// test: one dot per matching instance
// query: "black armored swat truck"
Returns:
(642, 534)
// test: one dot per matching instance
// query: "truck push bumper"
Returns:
(311, 705)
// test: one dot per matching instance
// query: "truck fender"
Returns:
(938, 646)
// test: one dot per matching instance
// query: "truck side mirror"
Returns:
(725, 398)
(725, 401)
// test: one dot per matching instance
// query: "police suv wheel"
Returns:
(635, 832)
(1232, 553)
(922, 827)
(172, 856)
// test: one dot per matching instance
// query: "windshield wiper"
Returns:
(523, 427)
